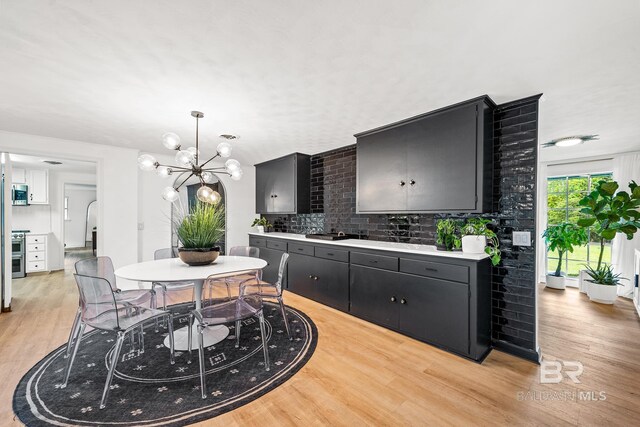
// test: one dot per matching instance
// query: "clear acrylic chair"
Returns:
(102, 266)
(235, 280)
(167, 253)
(256, 286)
(100, 309)
(225, 310)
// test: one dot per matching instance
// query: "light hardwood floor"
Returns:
(362, 374)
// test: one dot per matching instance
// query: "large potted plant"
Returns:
(608, 212)
(199, 231)
(477, 237)
(448, 234)
(562, 238)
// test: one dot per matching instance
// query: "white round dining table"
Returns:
(174, 270)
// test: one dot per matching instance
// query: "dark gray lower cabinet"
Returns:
(319, 279)
(434, 310)
(441, 301)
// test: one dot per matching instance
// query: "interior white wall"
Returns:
(7, 232)
(35, 218)
(75, 227)
(117, 183)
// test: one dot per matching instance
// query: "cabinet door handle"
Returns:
(329, 253)
(275, 195)
(403, 301)
(373, 261)
(393, 299)
(402, 183)
(315, 277)
(310, 277)
(430, 269)
(300, 249)
(412, 183)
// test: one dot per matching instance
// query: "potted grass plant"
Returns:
(608, 212)
(448, 234)
(199, 231)
(562, 238)
(478, 238)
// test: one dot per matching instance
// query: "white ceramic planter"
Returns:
(555, 282)
(604, 294)
(474, 244)
(260, 228)
(583, 283)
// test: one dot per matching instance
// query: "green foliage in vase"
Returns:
(480, 227)
(563, 238)
(604, 275)
(608, 212)
(448, 233)
(261, 221)
(202, 228)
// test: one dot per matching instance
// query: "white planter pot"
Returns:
(555, 282)
(474, 244)
(604, 294)
(583, 283)
(260, 228)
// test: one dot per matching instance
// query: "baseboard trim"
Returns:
(524, 353)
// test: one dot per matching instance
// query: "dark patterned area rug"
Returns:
(148, 390)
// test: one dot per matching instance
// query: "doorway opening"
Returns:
(80, 222)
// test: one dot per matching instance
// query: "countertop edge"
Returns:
(388, 246)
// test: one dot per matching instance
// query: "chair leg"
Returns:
(73, 355)
(112, 368)
(141, 339)
(203, 385)
(260, 315)
(238, 325)
(164, 301)
(154, 303)
(74, 332)
(171, 339)
(190, 337)
(284, 316)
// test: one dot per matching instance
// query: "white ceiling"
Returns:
(305, 76)
(35, 162)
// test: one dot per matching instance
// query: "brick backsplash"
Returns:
(333, 209)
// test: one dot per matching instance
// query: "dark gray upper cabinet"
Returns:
(441, 161)
(283, 185)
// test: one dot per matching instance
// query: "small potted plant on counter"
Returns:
(478, 238)
(261, 224)
(448, 234)
(608, 213)
(199, 232)
(562, 238)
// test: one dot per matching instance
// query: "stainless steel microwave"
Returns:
(19, 194)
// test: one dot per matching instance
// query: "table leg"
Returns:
(212, 335)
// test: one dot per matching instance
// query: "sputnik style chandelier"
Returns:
(187, 160)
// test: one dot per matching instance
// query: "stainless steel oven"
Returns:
(18, 255)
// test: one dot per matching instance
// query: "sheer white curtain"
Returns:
(626, 168)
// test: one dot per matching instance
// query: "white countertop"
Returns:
(372, 244)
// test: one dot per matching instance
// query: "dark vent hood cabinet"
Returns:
(440, 161)
(283, 185)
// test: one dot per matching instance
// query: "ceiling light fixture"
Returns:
(570, 141)
(52, 162)
(187, 160)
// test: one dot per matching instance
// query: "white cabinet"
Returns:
(36, 253)
(19, 176)
(38, 182)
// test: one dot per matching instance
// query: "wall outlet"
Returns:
(521, 238)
